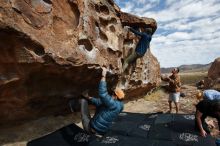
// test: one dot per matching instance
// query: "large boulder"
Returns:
(213, 79)
(52, 50)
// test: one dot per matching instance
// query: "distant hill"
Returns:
(189, 68)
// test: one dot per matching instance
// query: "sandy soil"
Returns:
(155, 102)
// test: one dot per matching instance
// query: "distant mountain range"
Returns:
(188, 68)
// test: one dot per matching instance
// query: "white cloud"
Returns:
(128, 7)
(188, 30)
(144, 2)
(117, 1)
(177, 36)
(185, 9)
(140, 1)
(142, 10)
(137, 6)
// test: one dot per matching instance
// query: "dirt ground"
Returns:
(155, 102)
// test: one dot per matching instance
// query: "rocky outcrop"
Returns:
(52, 50)
(213, 79)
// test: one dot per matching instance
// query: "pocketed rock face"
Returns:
(52, 50)
(213, 80)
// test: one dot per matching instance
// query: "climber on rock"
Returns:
(108, 108)
(142, 46)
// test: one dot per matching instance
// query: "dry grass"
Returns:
(192, 78)
(155, 95)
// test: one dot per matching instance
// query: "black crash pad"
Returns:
(70, 135)
(133, 129)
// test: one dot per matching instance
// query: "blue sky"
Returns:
(188, 30)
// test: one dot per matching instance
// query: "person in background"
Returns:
(108, 108)
(208, 95)
(200, 84)
(173, 88)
